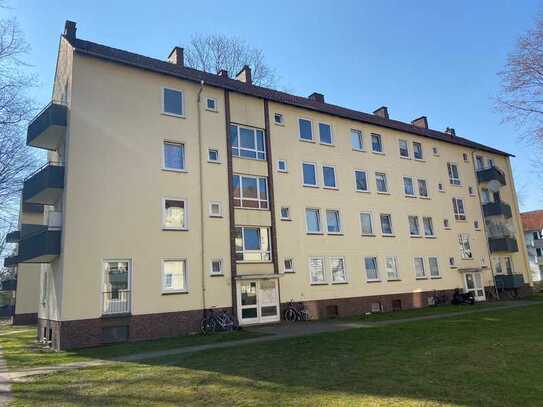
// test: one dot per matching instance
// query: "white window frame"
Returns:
(497, 265)
(400, 141)
(263, 253)
(423, 276)
(372, 233)
(210, 160)
(185, 288)
(331, 143)
(257, 199)
(281, 122)
(414, 194)
(396, 272)
(256, 150)
(452, 180)
(183, 112)
(459, 215)
(183, 162)
(185, 208)
(466, 252)
(421, 151)
(431, 220)
(211, 213)
(387, 191)
(319, 219)
(333, 167)
(215, 109)
(345, 277)
(381, 224)
(360, 136)
(438, 275)
(453, 263)
(340, 226)
(279, 166)
(427, 196)
(382, 151)
(312, 140)
(291, 269)
(367, 181)
(281, 213)
(417, 224)
(129, 283)
(315, 166)
(323, 263)
(221, 267)
(378, 277)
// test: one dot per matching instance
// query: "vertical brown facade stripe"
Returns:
(271, 195)
(233, 269)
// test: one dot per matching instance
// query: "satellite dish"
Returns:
(494, 186)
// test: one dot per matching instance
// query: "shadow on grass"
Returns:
(485, 359)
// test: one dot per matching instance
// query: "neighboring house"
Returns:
(532, 223)
(170, 191)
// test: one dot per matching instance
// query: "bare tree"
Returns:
(211, 53)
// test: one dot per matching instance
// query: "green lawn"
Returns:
(21, 350)
(482, 359)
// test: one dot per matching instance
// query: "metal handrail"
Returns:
(54, 101)
(48, 163)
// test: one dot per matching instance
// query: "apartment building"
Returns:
(532, 223)
(170, 191)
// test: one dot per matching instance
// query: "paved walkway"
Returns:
(270, 332)
(5, 386)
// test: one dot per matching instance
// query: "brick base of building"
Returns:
(84, 333)
(25, 319)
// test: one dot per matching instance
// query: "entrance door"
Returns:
(474, 284)
(258, 301)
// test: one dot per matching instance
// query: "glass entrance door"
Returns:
(474, 284)
(258, 301)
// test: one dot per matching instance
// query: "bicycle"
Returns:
(437, 299)
(217, 321)
(296, 312)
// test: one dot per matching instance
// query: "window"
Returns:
(404, 148)
(285, 213)
(325, 133)
(423, 188)
(366, 223)
(376, 143)
(247, 142)
(470, 190)
(282, 166)
(172, 102)
(211, 104)
(508, 265)
(337, 269)
(465, 157)
(174, 214)
(361, 181)
(452, 262)
(435, 151)
(372, 272)
(408, 187)
(216, 267)
(381, 182)
(458, 208)
(454, 177)
(497, 265)
(44, 284)
(174, 275)
(309, 171)
(490, 163)
(306, 129)
(250, 192)
(476, 225)
(278, 119)
(479, 162)
(465, 247)
(288, 265)
(333, 222)
(174, 156)
(417, 151)
(414, 229)
(357, 142)
(434, 267)
(391, 267)
(329, 176)
(420, 272)
(316, 270)
(446, 224)
(485, 196)
(215, 209)
(213, 155)
(440, 187)
(313, 220)
(386, 224)
(253, 244)
(428, 226)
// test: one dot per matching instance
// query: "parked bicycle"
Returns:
(217, 321)
(460, 297)
(438, 299)
(296, 312)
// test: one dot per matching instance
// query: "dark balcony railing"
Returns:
(502, 244)
(509, 281)
(497, 209)
(116, 302)
(9, 285)
(491, 174)
(48, 128)
(45, 185)
(13, 236)
(32, 208)
(10, 261)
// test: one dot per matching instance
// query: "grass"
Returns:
(22, 352)
(482, 359)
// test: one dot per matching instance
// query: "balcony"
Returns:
(48, 128)
(10, 261)
(8, 285)
(45, 185)
(13, 236)
(497, 209)
(490, 174)
(509, 281)
(41, 247)
(502, 244)
(32, 208)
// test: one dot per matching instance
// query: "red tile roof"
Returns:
(532, 220)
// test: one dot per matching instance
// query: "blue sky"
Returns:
(431, 58)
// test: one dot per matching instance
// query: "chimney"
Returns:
(421, 122)
(176, 56)
(69, 30)
(382, 112)
(223, 73)
(245, 75)
(317, 97)
(450, 131)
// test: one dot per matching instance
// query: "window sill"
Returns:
(335, 233)
(383, 192)
(364, 191)
(377, 152)
(286, 219)
(424, 197)
(368, 234)
(212, 110)
(175, 170)
(314, 233)
(214, 162)
(289, 272)
(283, 171)
(410, 196)
(405, 158)
(179, 116)
(373, 281)
(169, 229)
(216, 216)
(306, 141)
(321, 283)
(174, 292)
(435, 278)
(360, 150)
(415, 236)
(421, 278)
(253, 262)
(331, 188)
(430, 237)
(420, 160)
(339, 282)
(387, 235)
(394, 279)
(327, 144)
(216, 274)
(279, 124)
(310, 186)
